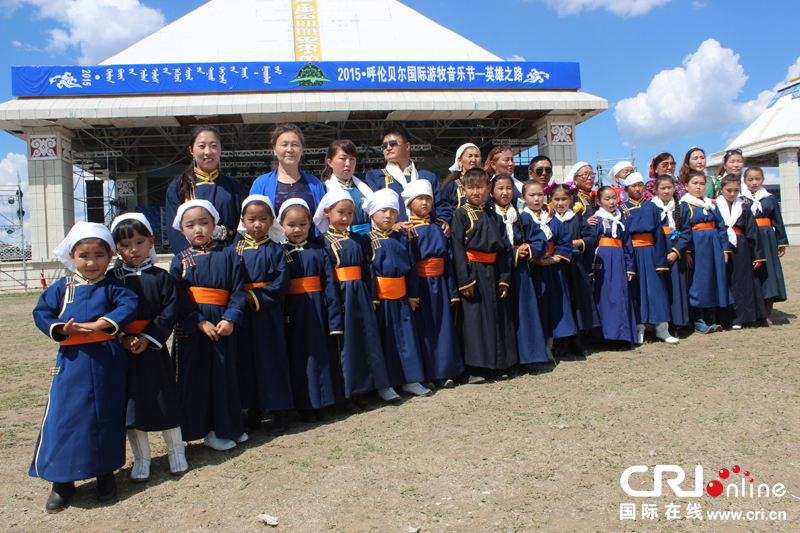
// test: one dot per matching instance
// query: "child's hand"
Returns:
(689, 261)
(726, 258)
(249, 298)
(592, 220)
(591, 277)
(756, 265)
(139, 344)
(503, 291)
(224, 328)
(781, 251)
(95, 327)
(402, 227)
(206, 327)
(576, 244)
(672, 257)
(71, 328)
(555, 259)
(414, 305)
(630, 277)
(523, 252)
(468, 292)
(127, 342)
(452, 303)
(445, 229)
(374, 306)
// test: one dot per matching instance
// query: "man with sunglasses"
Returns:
(400, 171)
(541, 169)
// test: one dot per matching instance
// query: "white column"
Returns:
(50, 191)
(790, 193)
(556, 137)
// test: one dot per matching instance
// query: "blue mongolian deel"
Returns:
(289, 76)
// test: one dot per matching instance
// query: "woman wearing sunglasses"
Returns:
(662, 165)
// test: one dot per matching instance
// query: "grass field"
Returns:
(541, 452)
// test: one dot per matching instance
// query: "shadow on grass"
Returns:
(779, 318)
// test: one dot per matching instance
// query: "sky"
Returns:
(676, 73)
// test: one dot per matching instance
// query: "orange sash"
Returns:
(704, 225)
(81, 339)
(764, 221)
(430, 268)
(607, 241)
(391, 288)
(347, 273)
(642, 239)
(737, 231)
(251, 286)
(303, 285)
(481, 257)
(136, 327)
(667, 230)
(204, 295)
(551, 248)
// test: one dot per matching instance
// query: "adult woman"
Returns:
(695, 159)
(340, 165)
(499, 162)
(732, 163)
(662, 165)
(467, 156)
(288, 181)
(581, 178)
(203, 181)
(541, 169)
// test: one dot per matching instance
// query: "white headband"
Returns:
(632, 179)
(205, 204)
(456, 167)
(289, 203)
(80, 231)
(275, 231)
(618, 167)
(143, 219)
(382, 199)
(333, 197)
(571, 176)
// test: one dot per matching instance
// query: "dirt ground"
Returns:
(541, 452)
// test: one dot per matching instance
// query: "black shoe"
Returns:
(59, 497)
(576, 348)
(278, 427)
(106, 488)
(252, 420)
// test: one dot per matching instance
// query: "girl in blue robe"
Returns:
(312, 313)
(584, 242)
(441, 356)
(338, 175)
(262, 362)
(205, 342)
(649, 289)
(152, 395)
(528, 242)
(704, 238)
(83, 429)
(668, 205)
(612, 271)
(202, 180)
(549, 274)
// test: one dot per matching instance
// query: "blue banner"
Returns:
(289, 76)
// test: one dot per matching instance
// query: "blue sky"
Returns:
(721, 58)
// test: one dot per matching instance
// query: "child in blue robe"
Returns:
(396, 292)
(704, 238)
(338, 175)
(262, 362)
(205, 344)
(435, 320)
(528, 242)
(312, 313)
(612, 271)
(649, 289)
(549, 273)
(153, 403)
(360, 351)
(83, 429)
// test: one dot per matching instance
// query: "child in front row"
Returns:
(396, 286)
(482, 259)
(83, 430)
(704, 243)
(262, 362)
(312, 313)
(204, 346)
(441, 356)
(152, 395)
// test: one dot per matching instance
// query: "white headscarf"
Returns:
(332, 198)
(205, 204)
(143, 219)
(616, 219)
(414, 189)
(622, 165)
(289, 203)
(705, 204)
(571, 176)
(542, 219)
(756, 198)
(275, 231)
(730, 214)
(456, 167)
(632, 179)
(666, 210)
(80, 231)
(382, 199)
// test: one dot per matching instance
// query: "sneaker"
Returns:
(212, 441)
(701, 327)
(59, 497)
(389, 395)
(736, 327)
(416, 389)
(106, 488)
(446, 383)
(475, 380)
(241, 438)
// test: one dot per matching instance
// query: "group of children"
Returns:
(301, 313)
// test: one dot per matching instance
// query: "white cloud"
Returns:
(697, 98)
(99, 28)
(698, 5)
(791, 73)
(623, 8)
(771, 178)
(515, 57)
(9, 167)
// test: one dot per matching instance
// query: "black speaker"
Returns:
(95, 202)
